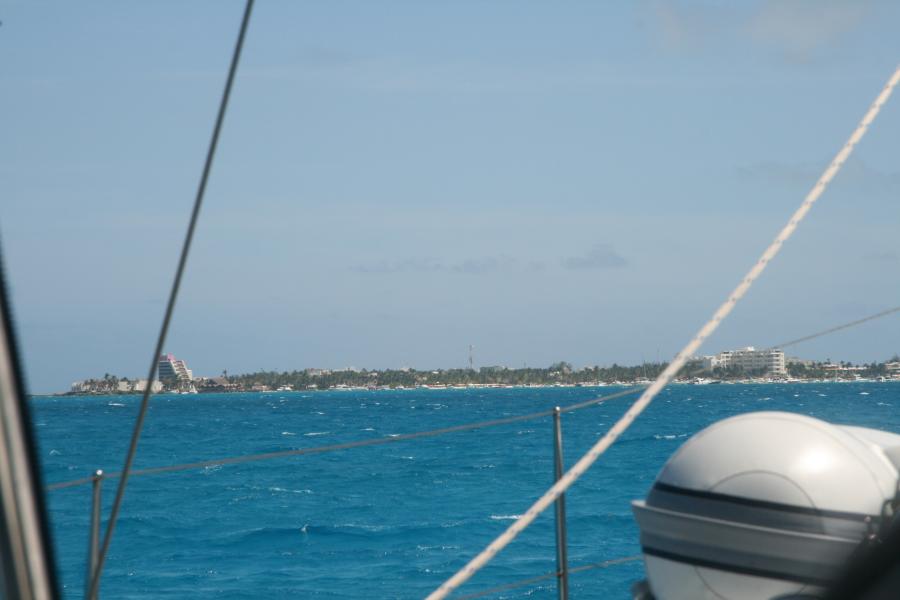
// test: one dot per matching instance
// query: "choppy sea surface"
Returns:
(388, 521)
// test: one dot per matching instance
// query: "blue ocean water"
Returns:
(388, 521)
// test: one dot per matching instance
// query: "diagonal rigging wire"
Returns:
(819, 334)
(584, 463)
(347, 445)
(429, 433)
(170, 307)
(813, 336)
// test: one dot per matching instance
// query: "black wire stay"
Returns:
(170, 307)
(813, 336)
(347, 445)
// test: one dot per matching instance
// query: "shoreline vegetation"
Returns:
(560, 374)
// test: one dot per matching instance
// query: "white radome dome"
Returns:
(764, 505)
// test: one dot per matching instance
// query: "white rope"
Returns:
(669, 373)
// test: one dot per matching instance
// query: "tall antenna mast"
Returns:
(471, 358)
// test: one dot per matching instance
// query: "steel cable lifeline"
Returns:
(821, 333)
(429, 433)
(584, 463)
(347, 445)
(813, 336)
(170, 306)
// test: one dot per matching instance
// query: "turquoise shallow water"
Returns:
(387, 521)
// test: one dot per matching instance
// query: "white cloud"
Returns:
(799, 28)
(472, 266)
(600, 256)
(688, 27)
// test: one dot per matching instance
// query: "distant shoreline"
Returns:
(621, 384)
(698, 371)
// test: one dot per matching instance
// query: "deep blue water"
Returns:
(388, 521)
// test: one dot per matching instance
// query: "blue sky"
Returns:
(398, 180)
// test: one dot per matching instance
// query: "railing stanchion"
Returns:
(94, 538)
(562, 558)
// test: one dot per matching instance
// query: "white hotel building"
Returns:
(173, 370)
(748, 359)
